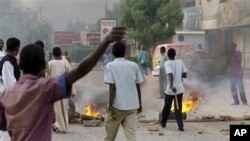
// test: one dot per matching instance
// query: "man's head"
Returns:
(40, 43)
(171, 53)
(119, 49)
(57, 52)
(163, 50)
(13, 45)
(1, 44)
(32, 59)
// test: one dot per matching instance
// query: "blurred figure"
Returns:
(236, 74)
(40, 43)
(107, 57)
(162, 73)
(67, 57)
(2, 52)
(124, 80)
(9, 71)
(143, 59)
(57, 67)
(175, 71)
(71, 103)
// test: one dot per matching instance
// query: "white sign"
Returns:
(106, 27)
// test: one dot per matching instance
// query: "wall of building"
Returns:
(210, 10)
(241, 37)
(195, 38)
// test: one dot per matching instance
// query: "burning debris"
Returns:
(90, 118)
(91, 111)
(191, 103)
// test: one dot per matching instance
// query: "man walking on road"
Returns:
(124, 78)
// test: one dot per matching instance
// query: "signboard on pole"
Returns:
(64, 37)
(93, 38)
(106, 27)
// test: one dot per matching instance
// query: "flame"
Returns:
(191, 103)
(187, 106)
(90, 110)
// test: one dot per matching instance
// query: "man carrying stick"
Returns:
(176, 71)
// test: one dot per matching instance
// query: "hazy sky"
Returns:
(60, 11)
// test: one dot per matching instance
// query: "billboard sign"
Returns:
(93, 37)
(64, 37)
(106, 27)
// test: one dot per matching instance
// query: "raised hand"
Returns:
(117, 34)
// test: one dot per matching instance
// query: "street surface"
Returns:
(216, 100)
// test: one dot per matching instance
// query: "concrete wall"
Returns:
(209, 14)
(194, 38)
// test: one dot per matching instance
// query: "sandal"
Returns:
(58, 131)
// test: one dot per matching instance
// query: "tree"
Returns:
(150, 21)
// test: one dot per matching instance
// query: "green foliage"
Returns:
(16, 24)
(37, 31)
(147, 19)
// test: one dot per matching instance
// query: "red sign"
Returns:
(64, 37)
(94, 37)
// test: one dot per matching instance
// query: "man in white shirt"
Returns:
(9, 69)
(2, 52)
(124, 78)
(176, 71)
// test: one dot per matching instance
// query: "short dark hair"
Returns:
(32, 59)
(57, 51)
(162, 49)
(171, 53)
(40, 43)
(119, 49)
(12, 44)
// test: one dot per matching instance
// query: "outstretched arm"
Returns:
(90, 61)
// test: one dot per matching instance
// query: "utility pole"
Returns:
(106, 8)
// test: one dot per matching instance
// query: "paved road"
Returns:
(211, 132)
(216, 101)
